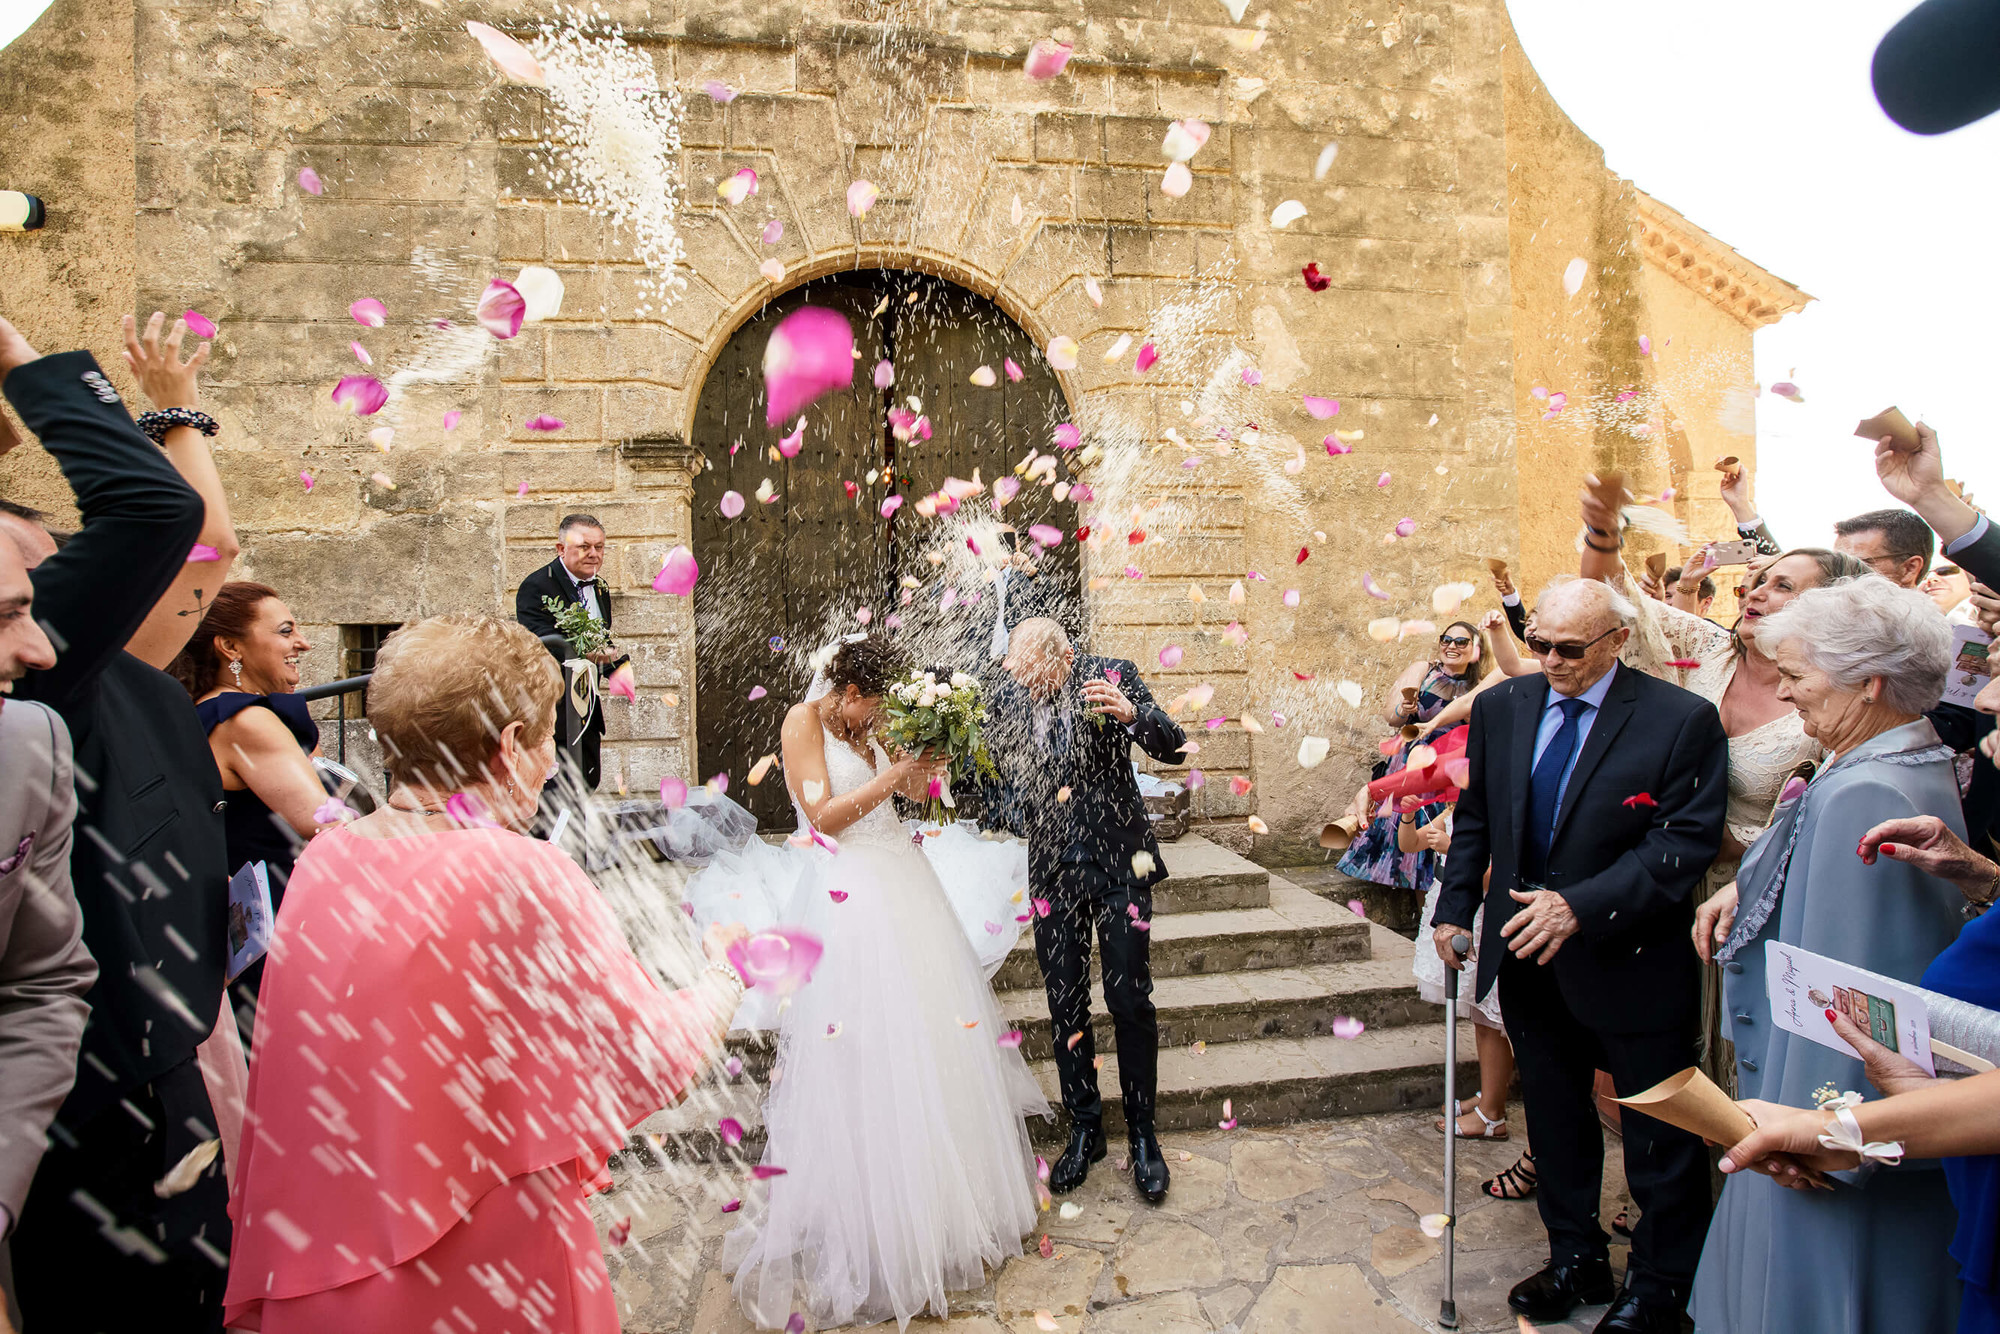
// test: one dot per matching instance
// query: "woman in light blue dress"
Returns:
(1861, 659)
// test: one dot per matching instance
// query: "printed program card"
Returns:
(1803, 986)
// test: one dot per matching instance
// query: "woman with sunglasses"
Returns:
(1422, 692)
(1768, 744)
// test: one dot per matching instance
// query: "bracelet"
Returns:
(1844, 1132)
(1603, 551)
(157, 423)
(1597, 531)
(727, 971)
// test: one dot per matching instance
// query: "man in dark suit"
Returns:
(1062, 730)
(149, 870)
(572, 577)
(1596, 797)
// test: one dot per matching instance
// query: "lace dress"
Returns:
(896, 1114)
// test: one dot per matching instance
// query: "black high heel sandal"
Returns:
(1516, 1183)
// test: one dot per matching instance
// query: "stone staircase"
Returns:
(1245, 963)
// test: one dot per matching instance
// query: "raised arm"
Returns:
(1394, 711)
(171, 383)
(140, 520)
(1505, 656)
(1735, 493)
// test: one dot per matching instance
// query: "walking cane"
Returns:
(1448, 1308)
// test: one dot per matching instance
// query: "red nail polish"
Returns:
(1831, 1016)
(1889, 848)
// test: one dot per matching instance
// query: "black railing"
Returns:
(340, 690)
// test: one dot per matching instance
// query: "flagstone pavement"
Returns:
(1291, 1229)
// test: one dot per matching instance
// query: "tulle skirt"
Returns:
(894, 1110)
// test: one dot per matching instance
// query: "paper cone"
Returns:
(1889, 422)
(1691, 1101)
(1340, 833)
(1656, 565)
(1495, 564)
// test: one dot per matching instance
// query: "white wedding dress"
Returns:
(896, 1114)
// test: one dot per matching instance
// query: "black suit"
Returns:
(1081, 847)
(1641, 818)
(553, 581)
(151, 874)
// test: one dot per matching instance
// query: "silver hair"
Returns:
(1607, 597)
(1041, 633)
(1856, 629)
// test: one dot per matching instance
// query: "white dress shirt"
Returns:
(997, 646)
(585, 590)
(1552, 720)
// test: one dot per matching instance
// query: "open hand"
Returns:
(1100, 696)
(1539, 929)
(167, 381)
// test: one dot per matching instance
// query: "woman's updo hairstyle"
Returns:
(870, 664)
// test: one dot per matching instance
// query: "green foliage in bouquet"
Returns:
(941, 717)
(585, 632)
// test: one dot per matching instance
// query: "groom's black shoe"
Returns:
(1086, 1146)
(1560, 1287)
(1149, 1165)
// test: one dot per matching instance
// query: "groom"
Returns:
(1062, 731)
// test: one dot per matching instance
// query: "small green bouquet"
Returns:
(585, 632)
(943, 718)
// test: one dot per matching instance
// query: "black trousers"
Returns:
(1558, 1053)
(97, 1252)
(1084, 899)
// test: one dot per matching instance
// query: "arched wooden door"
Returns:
(789, 576)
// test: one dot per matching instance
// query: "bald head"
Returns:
(1039, 656)
(1580, 626)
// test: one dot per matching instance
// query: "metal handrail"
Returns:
(350, 685)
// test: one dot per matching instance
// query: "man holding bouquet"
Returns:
(1061, 731)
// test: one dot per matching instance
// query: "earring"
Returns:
(236, 670)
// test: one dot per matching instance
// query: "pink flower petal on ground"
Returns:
(809, 353)
(780, 959)
(1321, 408)
(363, 395)
(1046, 59)
(678, 575)
(370, 312)
(731, 1131)
(1013, 369)
(1405, 527)
(1177, 181)
(307, 479)
(1068, 436)
(1045, 534)
(508, 56)
(890, 504)
(1336, 447)
(773, 232)
(1171, 655)
(202, 551)
(1252, 377)
(1346, 1026)
(719, 92)
(310, 182)
(452, 418)
(1369, 587)
(731, 504)
(861, 197)
(199, 324)
(501, 309)
(762, 1171)
(1010, 1039)
(543, 423)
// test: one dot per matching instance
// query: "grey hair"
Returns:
(570, 521)
(1607, 597)
(1039, 633)
(1858, 629)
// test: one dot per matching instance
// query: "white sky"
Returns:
(1755, 119)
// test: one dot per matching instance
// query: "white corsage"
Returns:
(1844, 1132)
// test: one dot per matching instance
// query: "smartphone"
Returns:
(1734, 553)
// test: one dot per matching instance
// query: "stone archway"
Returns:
(791, 574)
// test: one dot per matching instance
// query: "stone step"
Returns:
(1297, 929)
(1266, 1081)
(1202, 877)
(1397, 909)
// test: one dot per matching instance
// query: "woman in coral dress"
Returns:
(453, 1034)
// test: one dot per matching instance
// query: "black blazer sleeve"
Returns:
(1157, 734)
(1981, 560)
(1685, 831)
(1461, 887)
(1957, 726)
(1517, 621)
(528, 608)
(140, 520)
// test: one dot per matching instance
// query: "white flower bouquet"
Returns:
(943, 718)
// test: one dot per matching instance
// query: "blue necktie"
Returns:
(1545, 792)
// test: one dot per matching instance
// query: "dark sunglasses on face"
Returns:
(1541, 648)
(1454, 641)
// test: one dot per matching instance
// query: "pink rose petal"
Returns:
(1012, 1037)
(1321, 408)
(678, 574)
(1291, 597)
(199, 324)
(1645, 346)
(1013, 369)
(719, 92)
(861, 196)
(1068, 436)
(1045, 534)
(508, 56)
(521, 490)
(310, 182)
(468, 810)
(1383, 480)
(1252, 377)
(890, 504)
(673, 792)
(1405, 527)
(1177, 181)
(370, 312)
(773, 232)
(1046, 59)
(201, 551)
(762, 1171)
(810, 353)
(363, 395)
(360, 353)
(306, 479)
(501, 309)
(731, 1131)
(1144, 361)
(1170, 656)
(452, 419)
(732, 1206)
(1369, 586)
(543, 423)
(1336, 447)
(731, 504)
(1346, 1026)
(780, 959)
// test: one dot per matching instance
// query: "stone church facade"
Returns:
(167, 138)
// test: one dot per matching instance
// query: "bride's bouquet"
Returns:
(943, 718)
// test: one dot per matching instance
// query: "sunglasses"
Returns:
(1454, 641)
(1541, 648)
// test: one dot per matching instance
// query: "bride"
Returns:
(896, 1112)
